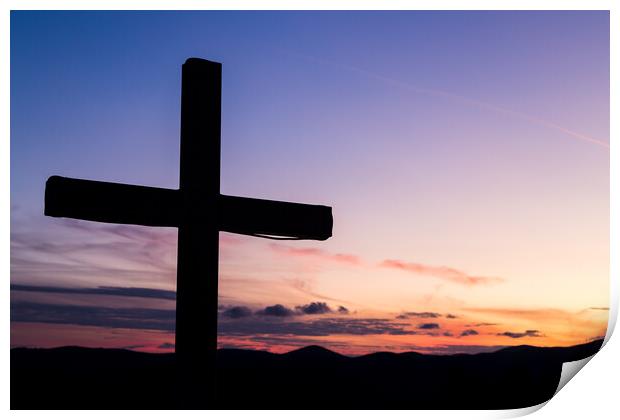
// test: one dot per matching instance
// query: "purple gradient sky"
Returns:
(439, 138)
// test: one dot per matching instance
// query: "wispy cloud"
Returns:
(74, 251)
(407, 315)
(307, 288)
(424, 315)
(463, 100)
(316, 253)
(481, 324)
(101, 290)
(524, 313)
(441, 272)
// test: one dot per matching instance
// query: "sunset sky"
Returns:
(465, 155)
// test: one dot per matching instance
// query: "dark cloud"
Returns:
(101, 290)
(164, 320)
(276, 310)
(429, 326)
(527, 333)
(133, 318)
(266, 342)
(406, 315)
(314, 308)
(447, 333)
(166, 346)
(133, 347)
(466, 333)
(316, 327)
(450, 316)
(481, 324)
(599, 308)
(236, 312)
(441, 349)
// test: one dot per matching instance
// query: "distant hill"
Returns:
(307, 378)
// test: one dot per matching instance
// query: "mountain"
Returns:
(308, 378)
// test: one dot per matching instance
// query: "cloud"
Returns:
(599, 308)
(133, 346)
(407, 315)
(481, 324)
(465, 100)
(236, 312)
(316, 253)
(76, 251)
(166, 346)
(442, 272)
(315, 327)
(101, 290)
(97, 316)
(280, 342)
(314, 308)
(429, 326)
(517, 312)
(306, 287)
(451, 316)
(455, 349)
(535, 314)
(276, 310)
(581, 321)
(527, 333)
(277, 322)
(466, 333)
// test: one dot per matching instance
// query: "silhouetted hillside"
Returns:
(311, 377)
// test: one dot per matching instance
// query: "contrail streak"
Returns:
(459, 98)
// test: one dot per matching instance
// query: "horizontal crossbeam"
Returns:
(110, 202)
(149, 206)
(253, 216)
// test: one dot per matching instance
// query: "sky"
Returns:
(465, 156)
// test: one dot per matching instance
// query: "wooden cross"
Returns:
(199, 211)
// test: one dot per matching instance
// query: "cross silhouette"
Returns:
(199, 211)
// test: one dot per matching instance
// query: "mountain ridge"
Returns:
(305, 378)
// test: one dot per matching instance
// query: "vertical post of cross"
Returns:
(197, 269)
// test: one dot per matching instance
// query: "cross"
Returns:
(199, 211)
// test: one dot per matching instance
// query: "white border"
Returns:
(584, 396)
